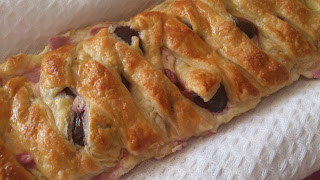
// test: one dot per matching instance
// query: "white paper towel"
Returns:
(280, 139)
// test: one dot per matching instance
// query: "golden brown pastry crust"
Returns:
(134, 98)
(9, 167)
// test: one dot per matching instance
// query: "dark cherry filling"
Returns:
(187, 24)
(125, 33)
(173, 78)
(69, 92)
(216, 104)
(77, 128)
(26, 160)
(246, 26)
(125, 82)
(282, 18)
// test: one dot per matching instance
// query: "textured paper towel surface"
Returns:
(280, 139)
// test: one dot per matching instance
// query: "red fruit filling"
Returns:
(33, 75)
(77, 130)
(216, 104)
(125, 82)
(26, 160)
(246, 26)
(95, 30)
(58, 41)
(126, 33)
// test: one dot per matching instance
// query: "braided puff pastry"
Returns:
(99, 100)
